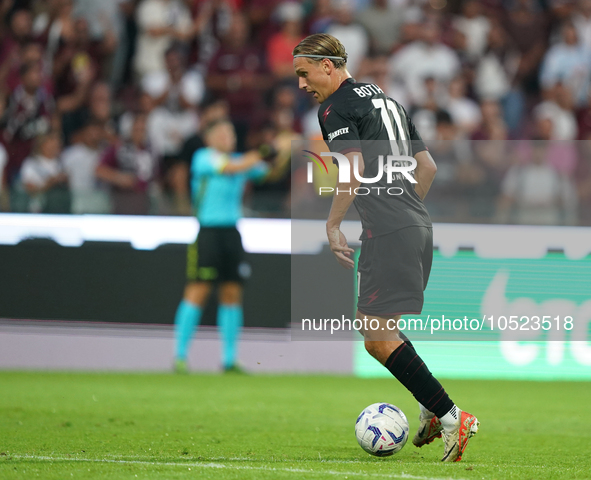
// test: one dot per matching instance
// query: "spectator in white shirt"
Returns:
(474, 28)
(160, 23)
(43, 176)
(175, 92)
(352, 35)
(558, 108)
(582, 22)
(464, 112)
(384, 25)
(425, 58)
(495, 77)
(79, 162)
(568, 62)
(537, 194)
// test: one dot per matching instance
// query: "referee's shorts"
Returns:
(393, 272)
(217, 256)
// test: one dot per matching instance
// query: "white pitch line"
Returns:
(337, 462)
(222, 466)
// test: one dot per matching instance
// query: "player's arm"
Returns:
(256, 162)
(340, 205)
(424, 173)
(276, 156)
(349, 144)
(246, 162)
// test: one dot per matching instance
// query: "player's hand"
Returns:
(338, 245)
(268, 152)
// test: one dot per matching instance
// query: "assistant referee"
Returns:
(358, 119)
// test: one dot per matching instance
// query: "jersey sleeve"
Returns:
(206, 162)
(339, 131)
(258, 172)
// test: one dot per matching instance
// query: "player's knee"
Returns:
(381, 350)
(197, 293)
(230, 293)
(373, 348)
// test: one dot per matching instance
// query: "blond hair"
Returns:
(322, 44)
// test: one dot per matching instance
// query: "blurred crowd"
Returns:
(102, 102)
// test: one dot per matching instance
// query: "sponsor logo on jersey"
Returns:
(336, 133)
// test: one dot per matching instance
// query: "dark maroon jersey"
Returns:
(360, 117)
(27, 116)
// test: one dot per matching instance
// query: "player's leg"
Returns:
(186, 320)
(381, 345)
(457, 426)
(201, 255)
(230, 321)
(430, 426)
(393, 272)
(409, 368)
(233, 272)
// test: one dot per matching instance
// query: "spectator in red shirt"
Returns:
(78, 55)
(29, 114)
(528, 28)
(130, 169)
(98, 108)
(29, 52)
(237, 73)
(259, 16)
(281, 45)
(19, 34)
(210, 23)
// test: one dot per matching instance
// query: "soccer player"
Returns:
(358, 119)
(218, 178)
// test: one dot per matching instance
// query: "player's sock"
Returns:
(186, 320)
(230, 321)
(449, 421)
(424, 412)
(406, 365)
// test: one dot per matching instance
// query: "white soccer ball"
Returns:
(381, 429)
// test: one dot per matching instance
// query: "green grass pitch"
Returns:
(59, 425)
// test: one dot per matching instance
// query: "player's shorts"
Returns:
(393, 272)
(217, 256)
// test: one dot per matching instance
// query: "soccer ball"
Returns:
(381, 429)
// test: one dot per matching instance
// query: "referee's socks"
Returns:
(186, 321)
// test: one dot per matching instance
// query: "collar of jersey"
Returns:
(346, 81)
